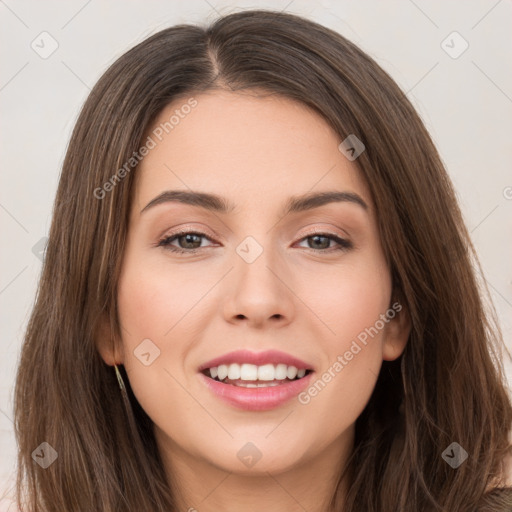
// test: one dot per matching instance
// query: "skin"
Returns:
(305, 299)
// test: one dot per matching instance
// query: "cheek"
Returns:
(349, 298)
(348, 376)
(350, 301)
(362, 299)
(156, 311)
(154, 302)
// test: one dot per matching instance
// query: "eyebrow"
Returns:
(220, 204)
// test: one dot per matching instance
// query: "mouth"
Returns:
(253, 376)
(256, 388)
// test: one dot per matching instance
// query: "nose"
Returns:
(258, 293)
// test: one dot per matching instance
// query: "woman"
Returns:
(258, 293)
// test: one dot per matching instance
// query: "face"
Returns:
(311, 284)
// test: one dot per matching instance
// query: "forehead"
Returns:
(251, 147)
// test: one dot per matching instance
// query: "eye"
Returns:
(190, 239)
(321, 242)
(191, 242)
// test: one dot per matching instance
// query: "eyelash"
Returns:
(343, 244)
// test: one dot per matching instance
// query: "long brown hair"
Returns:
(448, 385)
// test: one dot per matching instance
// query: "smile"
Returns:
(253, 376)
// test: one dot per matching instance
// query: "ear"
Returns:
(109, 347)
(396, 332)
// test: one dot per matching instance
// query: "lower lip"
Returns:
(257, 399)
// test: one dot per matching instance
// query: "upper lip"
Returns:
(256, 358)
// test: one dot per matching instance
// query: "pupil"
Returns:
(189, 238)
(317, 237)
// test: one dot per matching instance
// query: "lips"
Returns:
(256, 399)
(256, 381)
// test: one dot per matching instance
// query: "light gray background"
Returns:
(466, 103)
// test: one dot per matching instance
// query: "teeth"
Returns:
(281, 371)
(258, 385)
(291, 372)
(223, 372)
(233, 371)
(251, 372)
(266, 372)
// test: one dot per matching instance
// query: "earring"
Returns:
(127, 405)
(119, 378)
